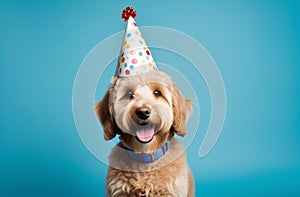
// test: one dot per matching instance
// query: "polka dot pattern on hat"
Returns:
(135, 57)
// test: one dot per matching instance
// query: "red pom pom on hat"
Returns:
(127, 12)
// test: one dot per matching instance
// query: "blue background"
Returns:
(256, 45)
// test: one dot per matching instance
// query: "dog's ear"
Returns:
(104, 113)
(182, 108)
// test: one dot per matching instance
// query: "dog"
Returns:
(146, 111)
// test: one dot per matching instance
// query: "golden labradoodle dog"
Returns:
(146, 111)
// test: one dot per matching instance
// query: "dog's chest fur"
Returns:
(160, 179)
(150, 184)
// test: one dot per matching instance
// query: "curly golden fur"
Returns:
(153, 102)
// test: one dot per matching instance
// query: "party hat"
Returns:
(135, 57)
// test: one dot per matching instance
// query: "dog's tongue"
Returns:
(145, 134)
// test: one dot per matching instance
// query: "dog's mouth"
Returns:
(144, 134)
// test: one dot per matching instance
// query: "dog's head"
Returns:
(145, 110)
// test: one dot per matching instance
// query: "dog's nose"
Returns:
(143, 112)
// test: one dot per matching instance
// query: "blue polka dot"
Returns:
(131, 67)
(147, 57)
(125, 65)
(141, 42)
(120, 70)
(140, 53)
(128, 35)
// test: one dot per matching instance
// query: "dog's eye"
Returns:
(157, 93)
(129, 94)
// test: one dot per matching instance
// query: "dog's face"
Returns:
(145, 110)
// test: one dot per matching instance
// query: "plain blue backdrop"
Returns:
(256, 45)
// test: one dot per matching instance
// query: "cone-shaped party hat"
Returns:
(135, 57)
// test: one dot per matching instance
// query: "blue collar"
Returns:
(147, 157)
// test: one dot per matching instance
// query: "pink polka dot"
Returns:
(127, 72)
(134, 61)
